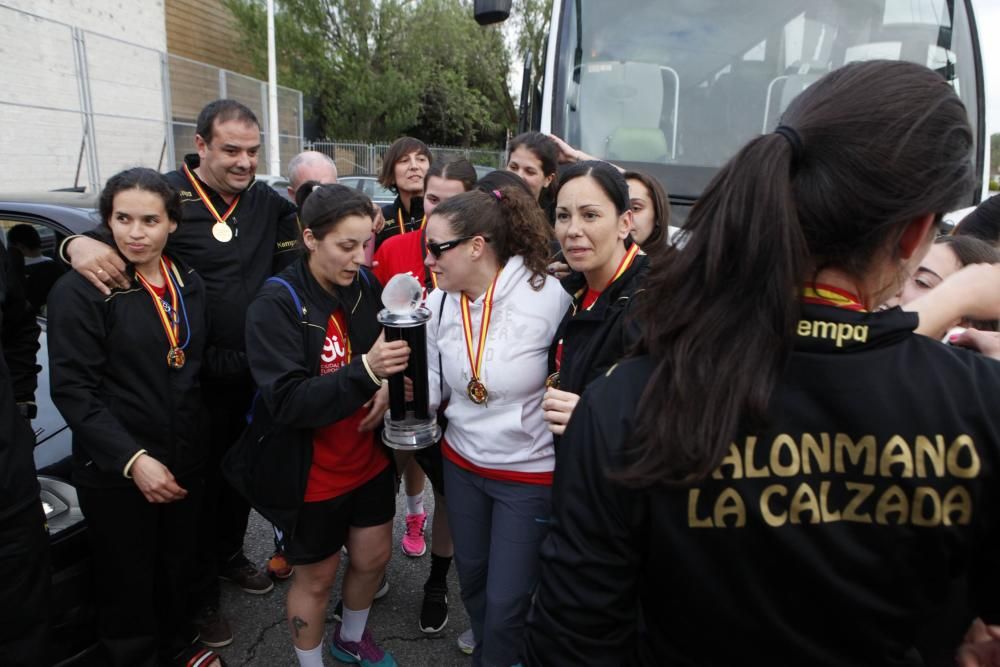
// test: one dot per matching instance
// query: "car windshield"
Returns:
(676, 87)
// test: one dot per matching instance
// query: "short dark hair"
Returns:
(139, 178)
(26, 235)
(608, 178)
(399, 149)
(222, 111)
(661, 208)
(322, 207)
(458, 169)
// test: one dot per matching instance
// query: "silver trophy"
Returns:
(409, 426)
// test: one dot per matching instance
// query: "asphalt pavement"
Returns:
(261, 636)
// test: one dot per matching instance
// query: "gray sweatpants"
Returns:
(497, 528)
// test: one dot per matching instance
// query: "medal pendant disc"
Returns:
(477, 392)
(552, 381)
(176, 358)
(222, 232)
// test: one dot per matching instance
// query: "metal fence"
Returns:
(77, 106)
(357, 157)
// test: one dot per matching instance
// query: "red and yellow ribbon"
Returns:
(171, 323)
(828, 295)
(220, 219)
(476, 361)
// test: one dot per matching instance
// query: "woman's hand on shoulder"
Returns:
(386, 358)
(557, 408)
(986, 343)
(155, 481)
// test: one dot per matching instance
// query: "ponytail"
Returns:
(510, 219)
(860, 155)
(730, 295)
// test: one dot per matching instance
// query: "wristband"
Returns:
(128, 466)
(371, 374)
(62, 248)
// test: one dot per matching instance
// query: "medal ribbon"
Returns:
(402, 225)
(219, 219)
(476, 362)
(827, 295)
(343, 337)
(170, 322)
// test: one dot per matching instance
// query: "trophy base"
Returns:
(410, 434)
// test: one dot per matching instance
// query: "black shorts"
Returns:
(431, 461)
(322, 526)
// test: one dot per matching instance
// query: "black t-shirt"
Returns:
(398, 220)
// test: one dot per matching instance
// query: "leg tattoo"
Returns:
(298, 624)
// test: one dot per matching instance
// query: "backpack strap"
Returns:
(291, 290)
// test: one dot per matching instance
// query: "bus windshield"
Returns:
(676, 87)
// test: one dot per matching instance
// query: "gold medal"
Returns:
(176, 358)
(477, 392)
(552, 381)
(222, 232)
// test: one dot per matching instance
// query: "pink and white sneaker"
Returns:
(413, 543)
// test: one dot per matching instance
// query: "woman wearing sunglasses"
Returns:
(493, 315)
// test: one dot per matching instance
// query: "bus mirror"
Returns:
(488, 12)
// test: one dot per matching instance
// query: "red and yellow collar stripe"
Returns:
(828, 295)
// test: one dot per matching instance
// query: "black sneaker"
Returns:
(434, 610)
(245, 574)
(213, 628)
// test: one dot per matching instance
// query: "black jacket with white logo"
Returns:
(836, 536)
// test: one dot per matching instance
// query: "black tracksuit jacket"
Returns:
(284, 347)
(596, 339)
(265, 240)
(412, 219)
(110, 379)
(18, 380)
(838, 535)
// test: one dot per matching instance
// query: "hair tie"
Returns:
(315, 187)
(795, 141)
(498, 195)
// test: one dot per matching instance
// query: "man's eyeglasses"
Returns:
(437, 248)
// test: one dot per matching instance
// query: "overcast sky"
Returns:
(988, 20)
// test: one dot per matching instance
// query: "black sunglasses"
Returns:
(437, 248)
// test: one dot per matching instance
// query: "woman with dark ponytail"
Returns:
(781, 465)
(493, 315)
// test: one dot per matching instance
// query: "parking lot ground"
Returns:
(261, 637)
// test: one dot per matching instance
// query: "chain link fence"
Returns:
(77, 106)
(357, 157)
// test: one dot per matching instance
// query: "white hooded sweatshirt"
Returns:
(508, 433)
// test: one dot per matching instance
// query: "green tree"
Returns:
(532, 25)
(376, 70)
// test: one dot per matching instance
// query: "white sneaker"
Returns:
(467, 642)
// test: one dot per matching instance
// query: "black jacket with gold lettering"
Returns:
(840, 535)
